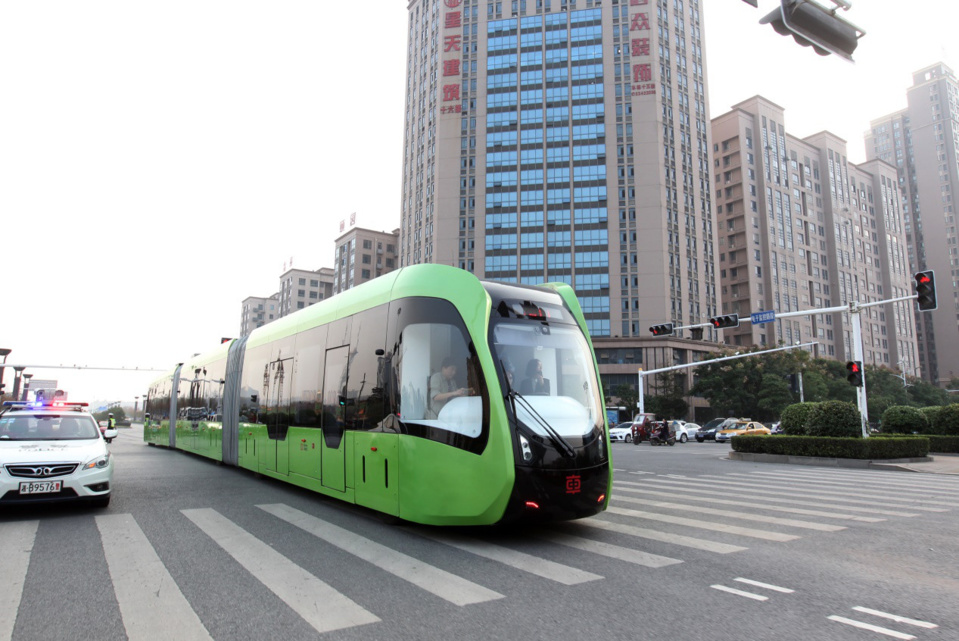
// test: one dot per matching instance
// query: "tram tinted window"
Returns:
(367, 371)
(442, 394)
(551, 367)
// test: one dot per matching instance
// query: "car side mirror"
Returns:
(110, 433)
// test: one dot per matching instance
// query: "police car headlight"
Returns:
(99, 462)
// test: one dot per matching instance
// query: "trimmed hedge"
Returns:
(947, 420)
(834, 419)
(793, 418)
(829, 447)
(943, 444)
(903, 419)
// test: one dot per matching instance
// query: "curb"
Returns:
(884, 464)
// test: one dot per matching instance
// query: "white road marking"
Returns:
(519, 560)
(709, 525)
(768, 586)
(441, 583)
(748, 595)
(751, 491)
(620, 553)
(149, 598)
(736, 515)
(665, 537)
(320, 605)
(16, 541)
(749, 504)
(896, 618)
(871, 628)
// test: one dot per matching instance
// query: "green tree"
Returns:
(627, 395)
(670, 401)
(815, 389)
(774, 396)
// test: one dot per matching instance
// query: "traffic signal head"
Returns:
(855, 373)
(812, 25)
(926, 290)
(726, 320)
(665, 329)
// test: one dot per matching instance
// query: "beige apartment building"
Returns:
(922, 142)
(257, 312)
(802, 228)
(362, 255)
(567, 140)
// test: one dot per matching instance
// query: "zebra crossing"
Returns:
(653, 522)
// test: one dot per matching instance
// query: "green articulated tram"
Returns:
(425, 394)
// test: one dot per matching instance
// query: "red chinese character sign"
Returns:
(450, 99)
(640, 51)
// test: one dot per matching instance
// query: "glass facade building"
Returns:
(566, 140)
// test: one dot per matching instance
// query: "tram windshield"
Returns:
(551, 368)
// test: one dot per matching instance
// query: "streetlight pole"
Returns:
(26, 386)
(17, 373)
(4, 351)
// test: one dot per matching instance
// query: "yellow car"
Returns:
(742, 427)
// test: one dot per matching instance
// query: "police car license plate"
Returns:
(40, 487)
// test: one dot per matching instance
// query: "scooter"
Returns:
(656, 439)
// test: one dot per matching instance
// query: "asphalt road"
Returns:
(694, 547)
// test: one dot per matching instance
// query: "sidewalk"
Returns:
(933, 464)
(937, 464)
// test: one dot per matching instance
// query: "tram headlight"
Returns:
(527, 451)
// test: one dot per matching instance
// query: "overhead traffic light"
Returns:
(812, 25)
(855, 373)
(661, 330)
(726, 320)
(696, 333)
(926, 290)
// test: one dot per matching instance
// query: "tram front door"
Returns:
(335, 401)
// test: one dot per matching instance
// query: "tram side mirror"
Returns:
(253, 398)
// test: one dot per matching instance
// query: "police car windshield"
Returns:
(47, 427)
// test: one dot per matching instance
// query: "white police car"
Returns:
(53, 451)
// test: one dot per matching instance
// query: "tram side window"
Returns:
(251, 383)
(439, 379)
(368, 368)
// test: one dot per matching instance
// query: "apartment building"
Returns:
(922, 142)
(800, 227)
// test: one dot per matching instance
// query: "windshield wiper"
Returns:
(561, 445)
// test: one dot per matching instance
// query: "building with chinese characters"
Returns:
(567, 140)
(800, 227)
(922, 142)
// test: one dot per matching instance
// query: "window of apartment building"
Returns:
(314, 283)
(302, 281)
(365, 273)
(366, 259)
(367, 244)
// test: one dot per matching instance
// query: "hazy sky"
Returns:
(162, 161)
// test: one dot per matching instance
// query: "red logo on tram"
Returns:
(574, 484)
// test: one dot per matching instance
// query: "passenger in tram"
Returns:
(444, 387)
(534, 383)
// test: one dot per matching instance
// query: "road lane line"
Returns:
(441, 583)
(896, 618)
(749, 504)
(16, 541)
(760, 494)
(822, 527)
(149, 598)
(913, 486)
(768, 586)
(665, 537)
(617, 552)
(871, 628)
(748, 595)
(849, 492)
(537, 566)
(709, 525)
(319, 604)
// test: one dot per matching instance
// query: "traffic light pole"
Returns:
(641, 404)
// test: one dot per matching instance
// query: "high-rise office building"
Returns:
(922, 141)
(566, 140)
(802, 228)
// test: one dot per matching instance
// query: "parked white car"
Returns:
(685, 431)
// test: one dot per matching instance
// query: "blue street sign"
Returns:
(763, 317)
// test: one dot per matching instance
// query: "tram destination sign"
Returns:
(763, 317)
